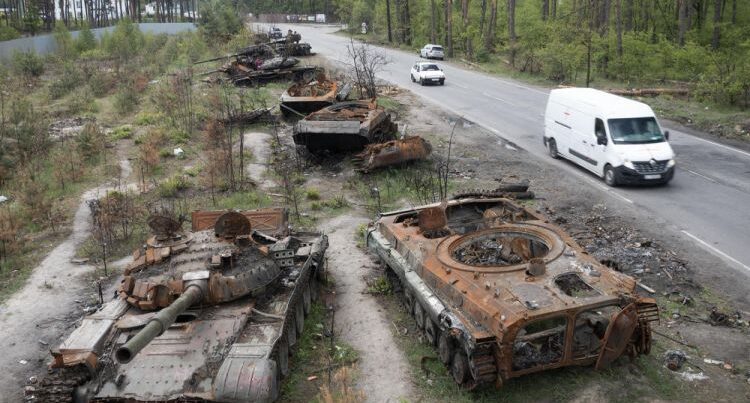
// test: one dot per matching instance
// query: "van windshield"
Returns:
(635, 131)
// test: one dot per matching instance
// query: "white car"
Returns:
(427, 73)
(431, 51)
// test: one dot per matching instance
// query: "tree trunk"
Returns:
(618, 16)
(734, 12)
(388, 19)
(717, 27)
(449, 27)
(629, 15)
(512, 31)
(482, 18)
(682, 22)
(489, 39)
(554, 9)
(433, 22)
(407, 23)
(465, 18)
(545, 9)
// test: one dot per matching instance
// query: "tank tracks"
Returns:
(58, 386)
(519, 191)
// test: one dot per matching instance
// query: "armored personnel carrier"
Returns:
(501, 292)
(202, 315)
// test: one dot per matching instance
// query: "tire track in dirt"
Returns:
(360, 321)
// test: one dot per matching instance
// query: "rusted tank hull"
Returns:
(502, 293)
(392, 153)
(305, 98)
(344, 127)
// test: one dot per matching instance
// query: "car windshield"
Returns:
(437, 48)
(635, 131)
(429, 67)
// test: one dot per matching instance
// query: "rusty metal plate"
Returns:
(271, 221)
(618, 336)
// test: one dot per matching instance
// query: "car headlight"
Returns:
(671, 163)
(628, 164)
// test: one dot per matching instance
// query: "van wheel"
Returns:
(421, 82)
(609, 176)
(552, 148)
(412, 78)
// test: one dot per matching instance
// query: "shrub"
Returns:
(146, 118)
(171, 186)
(67, 81)
(28, 63)
(122, 132)
(86, 40)
(312, 194)
(100, 83)
(82, 101)
(126, 99)
(66, 47)
(7, 33)
(90, 142)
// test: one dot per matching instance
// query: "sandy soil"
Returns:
(360, 321)
(258, 143)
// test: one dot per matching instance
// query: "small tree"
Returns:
(366, 63)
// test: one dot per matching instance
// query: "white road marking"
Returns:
(702, 176)
(495, 98)
(716, 251)
(459, 85)
(747, 154)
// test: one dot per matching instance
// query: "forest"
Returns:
(701, 45)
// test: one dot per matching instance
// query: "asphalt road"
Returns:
(707, 203)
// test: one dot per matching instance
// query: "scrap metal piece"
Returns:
(392, 153)
(346, 126)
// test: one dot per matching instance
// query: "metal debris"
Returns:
(392, 152)
(673, 359)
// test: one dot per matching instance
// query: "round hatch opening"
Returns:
(504, 248)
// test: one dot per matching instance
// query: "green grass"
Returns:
(314, 353)
(244, 200)
(389, 104)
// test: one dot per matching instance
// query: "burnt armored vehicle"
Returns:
(202, 315)
(345, 126)
(503, 293)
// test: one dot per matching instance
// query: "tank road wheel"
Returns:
(299, 317)
(419, 315)
(282, 357)
(460, 367)
(409, 302)
(308, 75)
(306, 299)
(314, 290)
(445, 347)
(291, 335)
(430, 330)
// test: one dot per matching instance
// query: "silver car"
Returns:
(431, 51)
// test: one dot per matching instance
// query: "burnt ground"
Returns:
(717, 346)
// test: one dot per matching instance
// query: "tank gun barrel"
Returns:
(160, 322)
(217, 58)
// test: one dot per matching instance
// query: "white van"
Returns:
(616, 138)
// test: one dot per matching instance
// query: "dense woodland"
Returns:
(700, 44)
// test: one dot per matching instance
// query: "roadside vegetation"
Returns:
(115, 112)
(696, 52)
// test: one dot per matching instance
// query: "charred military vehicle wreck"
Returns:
(503, 293)
(205, 315)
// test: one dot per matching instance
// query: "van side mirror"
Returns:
(601, 138)
(666, 134)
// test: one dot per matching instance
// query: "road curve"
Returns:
(707, 203)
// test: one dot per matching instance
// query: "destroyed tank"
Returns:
(345, 126)
(205, 315)
(501, 292)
